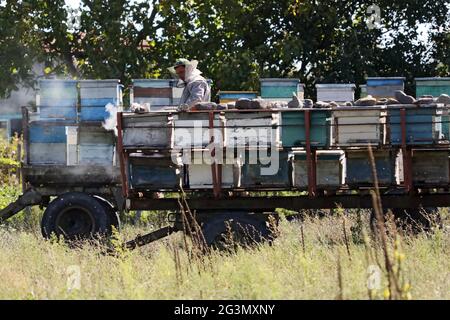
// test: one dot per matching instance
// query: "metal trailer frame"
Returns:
(405, 196)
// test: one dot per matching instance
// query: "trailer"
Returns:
(195, 165)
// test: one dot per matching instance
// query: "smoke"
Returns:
(110, 123)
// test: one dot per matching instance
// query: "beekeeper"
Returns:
(196, 88)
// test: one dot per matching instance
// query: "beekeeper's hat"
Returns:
(183, 62)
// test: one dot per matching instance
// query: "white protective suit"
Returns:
(196, 88)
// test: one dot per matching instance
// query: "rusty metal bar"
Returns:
(295, 202)
(407, 154)
(120, 153)
(310, 156)
(216, 186)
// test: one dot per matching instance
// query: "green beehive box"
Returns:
(435, 86)
(293, 132)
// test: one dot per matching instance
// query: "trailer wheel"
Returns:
(75, 215)
(114, 219)
(228, 230)
(415, 220)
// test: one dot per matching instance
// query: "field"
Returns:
(315, 259)
(328, 257)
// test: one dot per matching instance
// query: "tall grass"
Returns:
(312, 266)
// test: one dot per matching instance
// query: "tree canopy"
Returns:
(236, 41)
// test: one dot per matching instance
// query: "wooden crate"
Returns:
(191, 129)
(423, 125)
(330, 169)
(154, 173)
(335, 92)
(252, 129)
(384, 87)
(151, 130)
(262, 169)
(293, 132)
(281, 89)
(358, 126)
(430, 167)
(359, 168)
(199, 174)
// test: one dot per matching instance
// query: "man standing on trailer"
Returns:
(196, 88)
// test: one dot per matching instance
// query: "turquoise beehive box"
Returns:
(293, 129)
(281, 88)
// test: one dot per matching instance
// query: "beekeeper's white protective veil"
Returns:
(196, 88)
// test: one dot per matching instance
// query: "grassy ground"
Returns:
(315, 259)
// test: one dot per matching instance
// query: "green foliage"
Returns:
(235, 41)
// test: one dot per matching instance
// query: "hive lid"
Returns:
(335, 85)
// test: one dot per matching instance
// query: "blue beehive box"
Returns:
(231, 96)
(281, 88)
(265, 169)
(384, 87)
(58, 99)
(95, 95)
(47, 143)
(423, 125)
(293, 128)
(154, 173)
(359, 167)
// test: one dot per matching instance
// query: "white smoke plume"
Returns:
(110, 123)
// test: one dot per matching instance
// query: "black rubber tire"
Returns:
(415, 220)
(75, 215)
(114, 219)
(246, 230)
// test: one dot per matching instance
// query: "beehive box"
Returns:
(335, 92)
(96, 146)
(330, 169)
(151, 130)
(430, 167)
(154, 173)
(252, 129)
(58, 93)
(293, 132)
(265, 169)
(231, 96)
(95, 95)
(191, 129)
(432, 86)
(281, 89)
(384, 87)
(435, 87)
(199, 172)
(157, 92)
(47, 143)
(359, 167)
(57, 99)
(423, 125)
(358, 126)
(160, 93)
(363, 89)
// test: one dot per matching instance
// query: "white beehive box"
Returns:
(330, 169)
(192, 129)
(335, 92)
(252, 129)
(358, 126)
(151, 130)
(199, 171)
